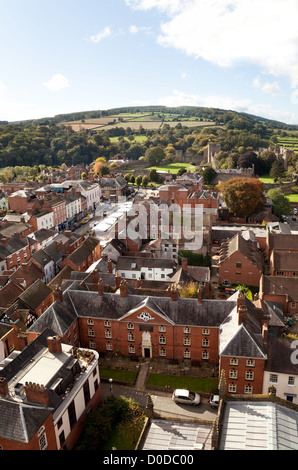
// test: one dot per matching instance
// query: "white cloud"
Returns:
(57, 82)
(271, 88)
(179, 98)
(232, 32)
(133, 29)
(137, 29)
(101, 35)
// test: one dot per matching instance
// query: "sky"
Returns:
(64, 56)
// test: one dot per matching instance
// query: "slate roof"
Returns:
(193, 274)
(20, 423)
(245, 339)
(113, 306)
(112, 183)
(248, 249)
(280, 286)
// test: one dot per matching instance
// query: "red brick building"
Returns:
(46, 411)
(243, 354)
(240, 261)
(84, 256)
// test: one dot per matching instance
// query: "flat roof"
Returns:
(258, 426)
(171, 435)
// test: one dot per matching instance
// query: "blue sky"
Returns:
(68, 55)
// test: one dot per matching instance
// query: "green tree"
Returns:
(153, 175)
(139, 181)
(208, 174)
(280, 203)
(154, 155)
(145, 181)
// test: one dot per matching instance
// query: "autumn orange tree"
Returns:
(242, 196)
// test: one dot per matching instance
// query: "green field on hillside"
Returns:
(290, 142)
(174, 167)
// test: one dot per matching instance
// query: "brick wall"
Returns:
(248, 273)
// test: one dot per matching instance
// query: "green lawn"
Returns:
(266, 179)
(136, 138)
(121, 375)
(201, 385)
(174, 167)
(292, 197)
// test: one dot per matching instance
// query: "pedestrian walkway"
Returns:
(142, 375)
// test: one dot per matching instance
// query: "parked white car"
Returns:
(186, 397)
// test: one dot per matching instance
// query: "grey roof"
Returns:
(57, 317)
(20, 423)
(113, 306)
(115, 183)
(171, 435)
(244, 340)
(258, 426)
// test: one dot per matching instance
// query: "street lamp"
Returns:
(111, 385)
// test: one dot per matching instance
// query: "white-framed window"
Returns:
(162, 329)
(206, 331)
(248, 389)
(162, 339)
(291, 380)
(90, 321)
(108, 334)
(250, 363)
(186, 341)
(187, 330)
(162, 352)
(232, 388)
(91, 332)
(92, 345)
(109, 346)
(233, 361)
(43, 443)
(186, 354)
(273, 378)
(205, 343)
(107, 323)
(249, 375)
(233, 374)
(205, 355)
(131, 349)
(130, 326)
(130, 337)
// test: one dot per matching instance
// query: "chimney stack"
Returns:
(241, 300)
(200, 294)
(54, 344)
(110, 266)
(57, 294)
(123, 288)
(3, 386)
(184, 264)
(174, 293)
(265, 332)
(95, 276)
(242, 314)
(37, 393)
(117, 280)
(100, 287)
